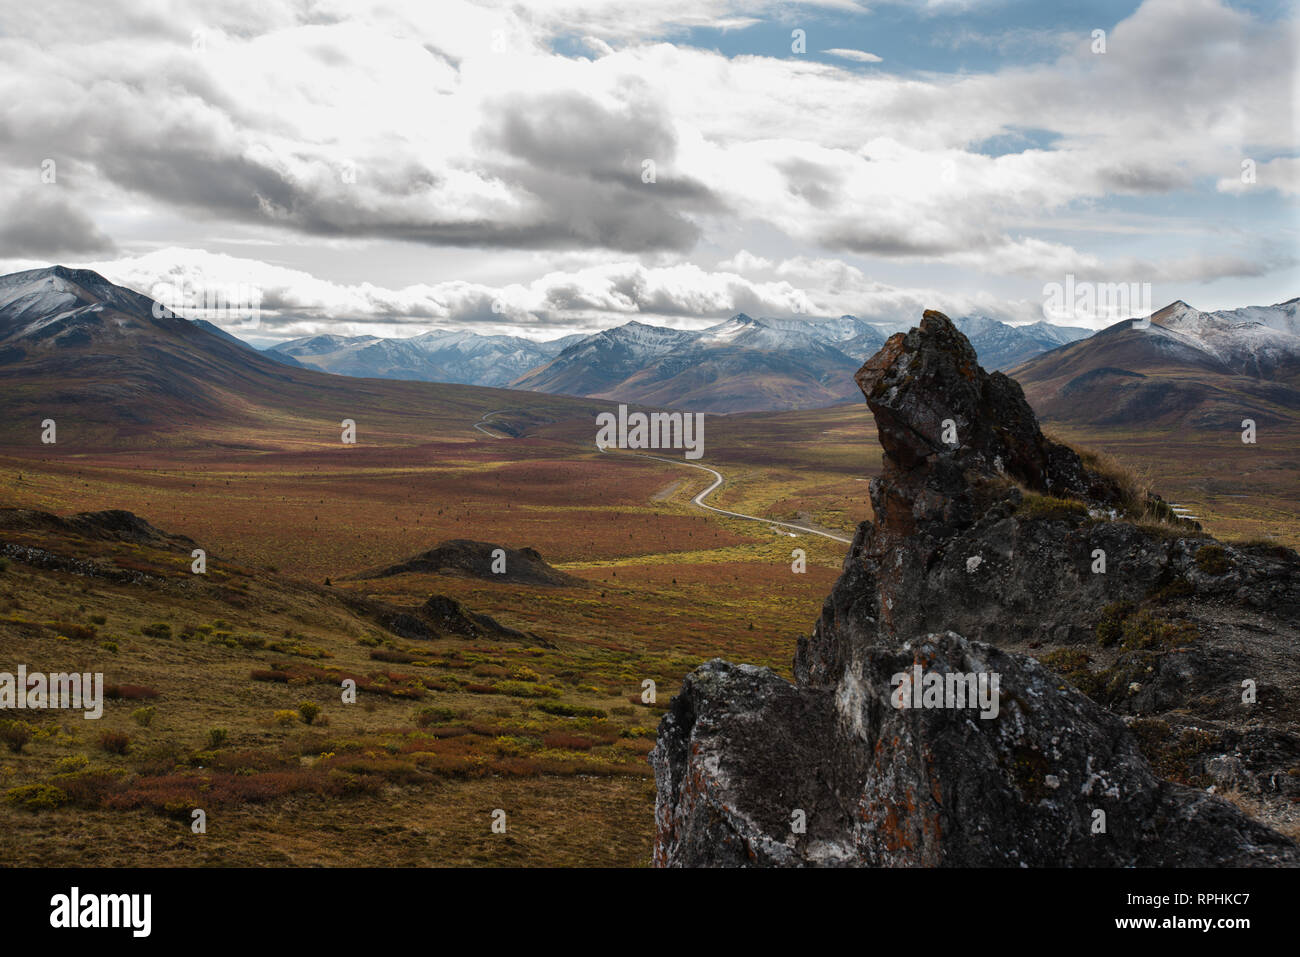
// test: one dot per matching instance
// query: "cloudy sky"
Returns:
(541, 168)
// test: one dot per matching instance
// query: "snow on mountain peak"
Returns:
(1252, 340)
(1180, 316)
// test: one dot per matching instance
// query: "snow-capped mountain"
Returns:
(48, 304)
(1001, 346)
(755, 364)
(462, 357)
(114, 369)
(1208, 368)
(1282, 316)
(742, 363)
(1257, 341)
(77, 348)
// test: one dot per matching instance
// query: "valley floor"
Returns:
(212, 673)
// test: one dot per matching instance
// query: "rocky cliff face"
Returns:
(1021, 651)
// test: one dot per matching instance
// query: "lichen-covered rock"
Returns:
(956, 578)
(752, 770)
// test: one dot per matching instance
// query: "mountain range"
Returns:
(742, 364)
(113, 368)
(76, 347)
(463, 357)
(72, 340)
(1182, 366)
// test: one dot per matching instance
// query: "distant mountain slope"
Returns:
(1282, 316)
(112, 370)
(216, 330)
(1184, 366)
(747, 364)
(743, 364)
(62, 327)
(1001, 346)
(599, 362)
(464, 357)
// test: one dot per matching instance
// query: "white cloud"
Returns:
(1281, 173)
(858, 56)
(745, 262)
(295, 303)
(378, 123)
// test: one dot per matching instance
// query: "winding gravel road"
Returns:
(479, 424)
(717, 481)
(698, 500)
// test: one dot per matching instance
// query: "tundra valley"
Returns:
(506, 435)
(523, 688)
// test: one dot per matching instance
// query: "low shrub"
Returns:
(637, 731)
(1145, 630)
(36, 797)
(71, 763)
(15, 735)
(73, 630)
(270, 674)
(573, 710)
(115, 742)
(527, 689)
(1033, 505)
(1111, 624)
(431, 715)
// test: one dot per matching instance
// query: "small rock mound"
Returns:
(450, 617)
(439, 617)
(109, 525)
(523, 566)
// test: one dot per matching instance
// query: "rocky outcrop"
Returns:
(439, 617)
(522, 566)
(984, 547)
(108, 525)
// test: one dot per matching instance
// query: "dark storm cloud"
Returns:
(573, 167)
(1143, 178)
(816, 185)
(899, 242)
(42, 224)
(586, 164)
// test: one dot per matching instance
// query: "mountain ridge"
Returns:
(1181, 365)
(112, 367)
(740, 364)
